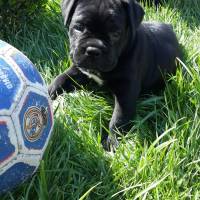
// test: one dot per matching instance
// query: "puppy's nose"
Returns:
(93, 51)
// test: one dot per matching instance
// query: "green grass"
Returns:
(159, 159)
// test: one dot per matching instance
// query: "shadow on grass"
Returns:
(43, 39)
(72, 165)
(189, 10)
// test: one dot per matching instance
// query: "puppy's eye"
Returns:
(115, 35)
(79, 27)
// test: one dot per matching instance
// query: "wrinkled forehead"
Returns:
(99, 10)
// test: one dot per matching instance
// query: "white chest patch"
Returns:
(95, 77)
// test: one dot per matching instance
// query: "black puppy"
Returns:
(110, 45)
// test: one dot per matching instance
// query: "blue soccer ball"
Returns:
(26, 118)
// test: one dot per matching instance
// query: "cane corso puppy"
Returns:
(110, 44)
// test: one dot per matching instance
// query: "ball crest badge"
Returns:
(35, 119)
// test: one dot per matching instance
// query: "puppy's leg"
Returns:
(69, 80)
(124, 111)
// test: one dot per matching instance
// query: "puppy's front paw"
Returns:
(110, 143)
(57, 86)
(52, 90)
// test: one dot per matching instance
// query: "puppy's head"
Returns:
(100, 30)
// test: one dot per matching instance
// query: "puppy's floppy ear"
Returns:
(135, 13)
(67, 8)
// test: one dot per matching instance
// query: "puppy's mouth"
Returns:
(100, 64)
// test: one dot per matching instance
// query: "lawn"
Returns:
(160, 157)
